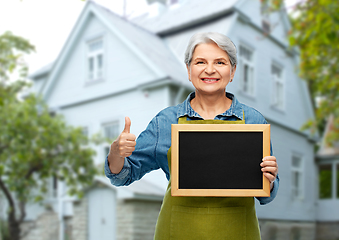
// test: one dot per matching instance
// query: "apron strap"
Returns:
(183, 120)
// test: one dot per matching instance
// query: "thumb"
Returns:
(127, 128)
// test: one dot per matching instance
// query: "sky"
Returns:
(48, 23)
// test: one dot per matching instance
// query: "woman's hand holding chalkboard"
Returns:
(270, 168)
(122, 147)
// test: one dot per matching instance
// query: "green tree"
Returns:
(315, 32)
(34, 146)
(12, 49)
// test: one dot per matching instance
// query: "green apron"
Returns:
(186, 218)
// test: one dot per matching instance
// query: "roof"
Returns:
(142, 188)
(177, 17)
(326, 150)
(42, 71)
(145, 187)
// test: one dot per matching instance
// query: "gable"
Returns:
(122, 68)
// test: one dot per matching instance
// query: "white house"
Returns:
(111, 67)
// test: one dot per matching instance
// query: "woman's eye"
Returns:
(200, 62)
(220, 63)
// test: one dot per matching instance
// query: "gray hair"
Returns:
(221, 40)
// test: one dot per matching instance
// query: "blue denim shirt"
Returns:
(153, 143)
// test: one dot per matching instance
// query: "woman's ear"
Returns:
(188, 72)
(233, 71)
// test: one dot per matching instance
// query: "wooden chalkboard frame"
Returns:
(177, 128)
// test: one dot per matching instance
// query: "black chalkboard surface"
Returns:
(219, 159)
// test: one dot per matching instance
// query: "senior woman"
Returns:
(211, 64)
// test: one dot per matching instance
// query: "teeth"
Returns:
(209, 80)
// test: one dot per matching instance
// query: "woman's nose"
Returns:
(209, 69)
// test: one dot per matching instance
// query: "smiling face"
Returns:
(210, 70)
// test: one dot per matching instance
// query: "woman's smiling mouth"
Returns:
(210, 80)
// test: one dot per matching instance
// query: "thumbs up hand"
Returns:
(122, 147)
(126, 140)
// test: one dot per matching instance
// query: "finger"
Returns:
(269, 158)
(269, 164)
(127, 138)
(126, 152)
(270, 177)
(271, 170)
(127, 128)
(126, 148)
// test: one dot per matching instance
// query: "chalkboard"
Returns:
(219, 159)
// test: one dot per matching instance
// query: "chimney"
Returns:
(164, 2)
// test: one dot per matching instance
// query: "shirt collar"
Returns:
(185, 108)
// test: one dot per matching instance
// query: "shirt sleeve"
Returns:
(274, 191)
(142, 160)
(118, 178)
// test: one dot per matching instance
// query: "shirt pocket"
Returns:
(208, 223)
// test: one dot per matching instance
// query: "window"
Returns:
(84, 131)
(246, 69)
(295, 234)
(297, 177)
(278, 86)
(52, 191)
(325, 181)
(329, 180)
(111, 131)
(95, 59)
(55, 187)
